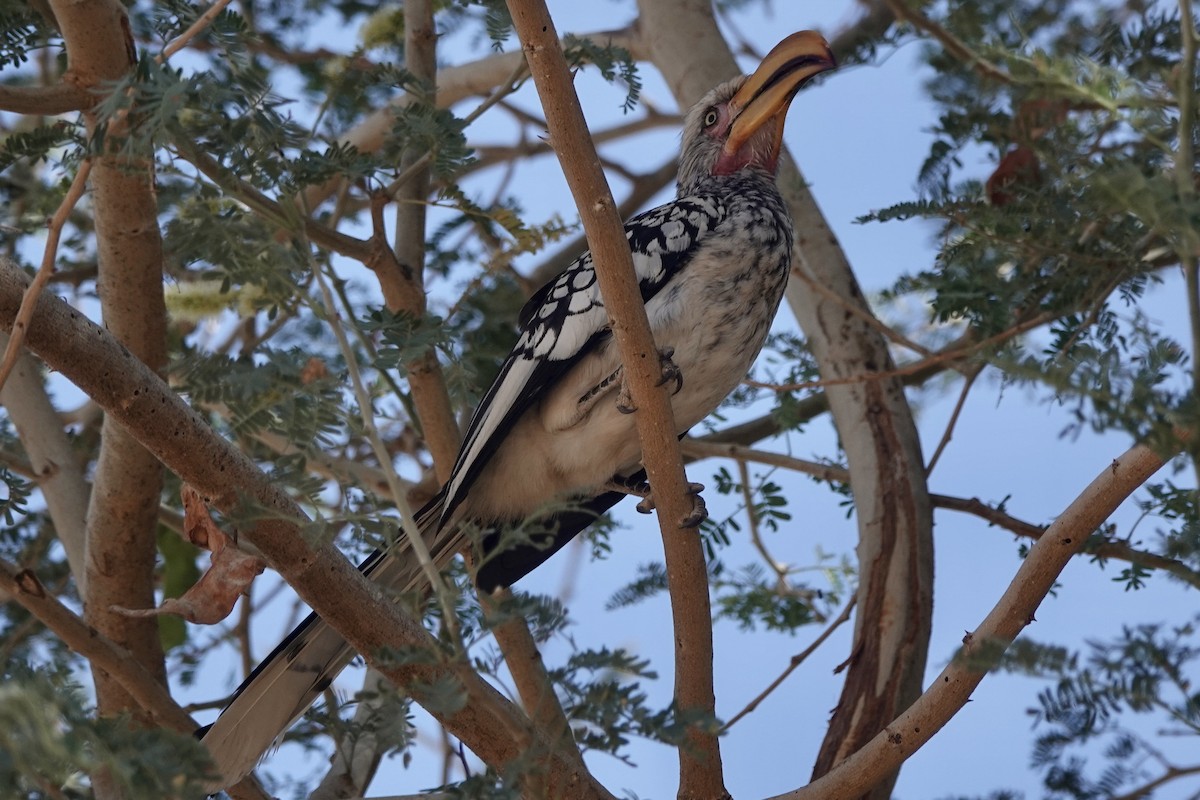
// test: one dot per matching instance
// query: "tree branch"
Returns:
(133, 395)
(455, 84)
(687, 575)
(58, 220)
(905, 10)
(62, 98)
(795, 662)
(55, 464)
(428, 384)
(1119, 550)
(951, 690)
(702, 448)
(123, 508)
(356, 758)
(1115, 549)
(151, 696)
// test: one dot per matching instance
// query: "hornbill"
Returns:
(555, 425)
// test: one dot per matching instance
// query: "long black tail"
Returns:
(289, 680)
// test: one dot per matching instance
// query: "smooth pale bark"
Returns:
(870, 765)
(55, 463)
(873, 419)
(407, 292)
(87, 355)
(123, 511)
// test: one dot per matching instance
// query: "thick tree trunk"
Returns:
(872, 417)
(887, 475)
(123, 512)
(55, 463)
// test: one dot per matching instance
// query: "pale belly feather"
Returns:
(713, 350)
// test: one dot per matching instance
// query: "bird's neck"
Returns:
(747, 178)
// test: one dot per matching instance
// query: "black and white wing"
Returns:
(558, 325)
(566, 318)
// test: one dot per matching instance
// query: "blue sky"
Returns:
(864, 133)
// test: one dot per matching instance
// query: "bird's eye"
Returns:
(710, 117)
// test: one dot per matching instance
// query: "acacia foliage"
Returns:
(1077, 108)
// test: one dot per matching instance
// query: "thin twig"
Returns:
(971, 375)
(956, 352)
(49, 254)
(777, 567)
(269, 209)
(863, 314)
(242, 631)
(1148, 789)
(371, 432)
(182, 40)
(795, 661)
(506, 88)
(952, 44)
(492, 155)
(1115, 549)
(698, 448)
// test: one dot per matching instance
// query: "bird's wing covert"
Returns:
(566, 317)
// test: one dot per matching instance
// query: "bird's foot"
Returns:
(669, 372)
(698, 513)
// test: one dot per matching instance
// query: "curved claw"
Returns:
(699, 511)
(669, 372)
(698, 514)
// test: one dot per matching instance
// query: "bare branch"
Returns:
(687, 575)
(795, 661)
(1150, 787)
(429, 393)
(49, 254)
(532, 680)
(703, 448)
(971, 374)
(951, 689)
(905, 10)
(62, 98)
(133, 395)
(1121, 551)
(55, 464)
(184, 39)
